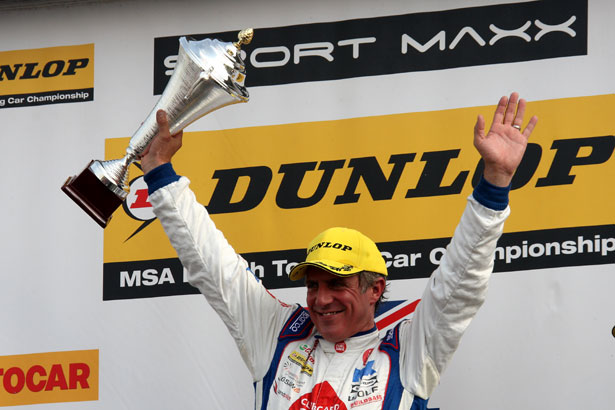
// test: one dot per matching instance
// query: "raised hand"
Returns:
(163, 146)
(502, 148)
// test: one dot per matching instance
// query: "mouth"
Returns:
(330, 314)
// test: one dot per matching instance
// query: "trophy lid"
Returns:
(221, 60)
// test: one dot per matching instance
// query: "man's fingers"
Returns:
(520, 113)
(530, 126)
(163, 123)
(479, 127)
(498, 116)
(511, 108)
(177, 138)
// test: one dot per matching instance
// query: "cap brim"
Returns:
(335, 268)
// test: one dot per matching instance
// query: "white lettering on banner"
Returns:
(355, 42)
(401, 260)
(332, 50)
(283, 266)
(166, 276)
(597, 245)
(440, 37)
(263, 50)
(323, 49)
(500, 34)
(546, 28)
(257, 270)
(463, 32)
(58, 96)
(603, 246)
(148, 277)
(436, 255)
(170, 62)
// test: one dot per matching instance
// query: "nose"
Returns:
(323, 296)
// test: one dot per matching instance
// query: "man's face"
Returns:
(338, 307)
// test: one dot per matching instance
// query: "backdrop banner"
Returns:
(361, 114)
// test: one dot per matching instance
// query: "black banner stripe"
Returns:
(519, 251)
(47, 98)
(504, 33)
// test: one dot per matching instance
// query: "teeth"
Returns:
(330, 313)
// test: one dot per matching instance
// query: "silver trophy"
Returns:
(209, 75)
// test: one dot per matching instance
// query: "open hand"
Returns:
(504, 145)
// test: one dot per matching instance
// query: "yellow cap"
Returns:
(342, 252)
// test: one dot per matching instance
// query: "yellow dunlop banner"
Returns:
(46, 76)
(49, 377)
(396, 178)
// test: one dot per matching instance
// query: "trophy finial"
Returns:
(244, 37)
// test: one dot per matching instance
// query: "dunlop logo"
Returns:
(46, 76)
(52, 68)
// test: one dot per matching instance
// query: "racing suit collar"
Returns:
(358, 341)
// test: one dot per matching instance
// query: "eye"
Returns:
(311, 285)
(337, 284)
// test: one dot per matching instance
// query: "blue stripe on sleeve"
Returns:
(159, 177)
(490, 195)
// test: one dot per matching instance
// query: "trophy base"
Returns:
(92, 195)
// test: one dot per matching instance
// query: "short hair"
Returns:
(367, 279)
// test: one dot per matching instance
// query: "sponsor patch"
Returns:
(304, 362)
(322, 397)
(364, 382)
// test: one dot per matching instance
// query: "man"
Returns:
(329, 356)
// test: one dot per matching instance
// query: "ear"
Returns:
(377, 289)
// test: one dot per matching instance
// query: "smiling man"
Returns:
(330, 356)
(345, 278)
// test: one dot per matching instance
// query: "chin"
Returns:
(333, 337)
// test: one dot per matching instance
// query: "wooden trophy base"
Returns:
(92, 195)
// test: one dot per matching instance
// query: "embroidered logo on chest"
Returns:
(364, 382)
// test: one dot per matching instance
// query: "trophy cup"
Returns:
(209, 75)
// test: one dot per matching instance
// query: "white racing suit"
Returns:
(291, 365)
